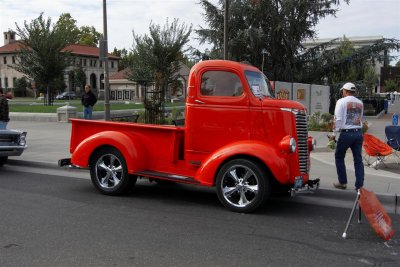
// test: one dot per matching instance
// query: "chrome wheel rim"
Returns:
(240, 186)
(109, 171)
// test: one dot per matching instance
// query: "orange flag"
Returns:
(376, 214)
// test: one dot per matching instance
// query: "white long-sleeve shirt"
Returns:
(348, 113)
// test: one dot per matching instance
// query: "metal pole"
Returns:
(106, 71)
(344, 235)
(226, 18)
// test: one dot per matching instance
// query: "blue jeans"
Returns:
(87, 112)
(352, 140)
(3, 125)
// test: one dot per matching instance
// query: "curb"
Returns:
(35, 164)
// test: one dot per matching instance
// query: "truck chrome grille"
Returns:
(302, 143)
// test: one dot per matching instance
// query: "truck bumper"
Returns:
(310, 187)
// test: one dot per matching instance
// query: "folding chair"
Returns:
(374, 147)
(392, 133)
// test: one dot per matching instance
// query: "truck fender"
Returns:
(130, 150)
(266, 153)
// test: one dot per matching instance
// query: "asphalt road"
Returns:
(57, 220)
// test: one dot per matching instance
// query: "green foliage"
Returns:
(343, 63)
(79, 76)
(67, 25)
(89, 36)
(320, 122)
(85, 35)
(156, 58)
(278, 27)
(20, 86)
(370, 78)
(126, 58)
(391, 85)
(40, 58)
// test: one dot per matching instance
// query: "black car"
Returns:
(66, 95)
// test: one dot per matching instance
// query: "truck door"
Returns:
(219, 115)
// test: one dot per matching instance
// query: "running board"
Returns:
(167, 176)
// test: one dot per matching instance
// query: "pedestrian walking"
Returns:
(88, 101)
(4, 112)
(348, 124)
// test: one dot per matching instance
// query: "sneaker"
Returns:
(340, 186)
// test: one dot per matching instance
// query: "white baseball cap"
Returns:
(349, 87)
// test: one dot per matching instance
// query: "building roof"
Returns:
(120, 75)
(76, 49)
(86, 50)
(11, 48)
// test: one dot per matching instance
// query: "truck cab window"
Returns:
(259, 84)
(221, 83)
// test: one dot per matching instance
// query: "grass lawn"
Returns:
(37, 106)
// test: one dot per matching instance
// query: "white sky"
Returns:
(360, 18)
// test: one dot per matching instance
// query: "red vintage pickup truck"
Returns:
(236, 138)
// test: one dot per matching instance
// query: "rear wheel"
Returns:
(109, 172)
(3, 160)
(242, 185)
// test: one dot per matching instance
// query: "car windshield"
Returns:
(259, 84)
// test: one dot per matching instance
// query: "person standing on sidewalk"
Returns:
(348, 122)
(88, 101)
(4, 112)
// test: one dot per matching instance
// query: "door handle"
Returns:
(199, 101)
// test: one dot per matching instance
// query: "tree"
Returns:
(89, 36)
(126, 58)
(156, 59)
(341, 63)
(40, 57)
(20, 86)
(277, 27)
(85, 35)
(370, 79)
(391, 85)
(67, 25)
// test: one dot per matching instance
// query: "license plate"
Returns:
(298, 182)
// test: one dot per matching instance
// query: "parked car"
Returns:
(66, 95)
(12, 143)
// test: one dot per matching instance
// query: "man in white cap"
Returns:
(348, 122)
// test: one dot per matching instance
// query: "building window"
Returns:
(80, 62)
(84, 62)
(6, 82)
(101, 64)
(13, 59)
(5, 60)
(14, 81)
(112, 64)
(0, 84)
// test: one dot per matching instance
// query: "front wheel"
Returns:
(242, 185)
(109, 172)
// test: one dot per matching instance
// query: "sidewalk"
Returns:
(49, 141)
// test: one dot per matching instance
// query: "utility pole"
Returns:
(226, 18)
(106, 71)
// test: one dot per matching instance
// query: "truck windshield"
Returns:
(259, 84)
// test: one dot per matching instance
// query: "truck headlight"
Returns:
(288, 144)
(292, 145)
